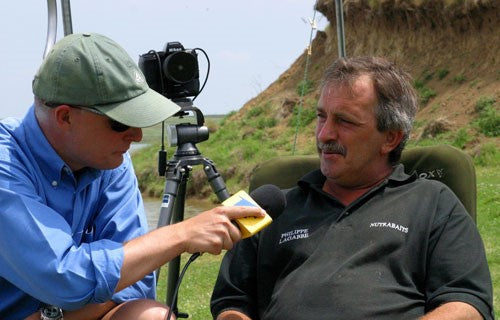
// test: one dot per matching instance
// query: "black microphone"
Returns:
(270, 198)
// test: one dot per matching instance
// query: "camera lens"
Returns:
(180, 67)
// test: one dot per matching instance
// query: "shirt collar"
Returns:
(315, 179)
(400, 177)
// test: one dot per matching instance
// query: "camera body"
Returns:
(173, 72)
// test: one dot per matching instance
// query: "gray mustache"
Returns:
(332, 147)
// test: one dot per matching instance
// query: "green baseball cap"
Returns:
(92, 70)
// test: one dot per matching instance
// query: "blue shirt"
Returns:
(61, 236)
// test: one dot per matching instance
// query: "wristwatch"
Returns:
(51, 313)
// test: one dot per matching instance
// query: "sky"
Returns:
(249, 43)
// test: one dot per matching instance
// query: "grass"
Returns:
(488, 222)
(196, 288)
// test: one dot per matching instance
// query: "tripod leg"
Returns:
(173, 178)
(216, 181)
(174, 265)
(172, 211)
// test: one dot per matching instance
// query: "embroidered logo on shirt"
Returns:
(432, 174)
(391, 225)
(294, 235)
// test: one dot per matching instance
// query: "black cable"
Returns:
(161, 154)
(162, 90)
(193, 257)
(208, 72)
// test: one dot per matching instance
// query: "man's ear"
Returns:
(62, 115)
(392, 140)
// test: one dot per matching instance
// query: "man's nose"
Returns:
(327, 132)
(134, 134)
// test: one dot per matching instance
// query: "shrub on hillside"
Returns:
(302, 117)
(488, 122)
(304, 87)
(462, 137)
(484, 103)
(442, 73)
(424, 93)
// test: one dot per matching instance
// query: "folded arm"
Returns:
(453, 311)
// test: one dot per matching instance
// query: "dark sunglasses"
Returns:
(113, 124)
(117, 126)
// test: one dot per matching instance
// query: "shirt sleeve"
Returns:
(235, 288)
(457, 267)
(54, 271)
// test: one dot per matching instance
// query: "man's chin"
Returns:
(111, 164)
(327, 167)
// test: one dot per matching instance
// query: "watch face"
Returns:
(51, 313)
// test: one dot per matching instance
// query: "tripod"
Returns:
(177, 172)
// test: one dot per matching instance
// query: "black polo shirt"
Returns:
(402, 249)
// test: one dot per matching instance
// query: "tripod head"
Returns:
(184, 136)
(186, 105)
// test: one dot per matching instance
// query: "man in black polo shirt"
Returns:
(359, 238)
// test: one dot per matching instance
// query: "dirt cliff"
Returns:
(450, 47)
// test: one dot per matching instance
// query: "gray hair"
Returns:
(397, 99)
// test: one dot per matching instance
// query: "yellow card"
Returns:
(248, 225)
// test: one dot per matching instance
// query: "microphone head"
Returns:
(270, 198)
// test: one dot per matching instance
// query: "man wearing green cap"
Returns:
(73, 230)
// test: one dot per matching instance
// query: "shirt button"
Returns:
(54, 183)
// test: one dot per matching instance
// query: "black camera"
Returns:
(173, 72)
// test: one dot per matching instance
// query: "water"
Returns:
(137, 146)
(191, 208)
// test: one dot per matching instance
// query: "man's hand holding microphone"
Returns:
(210, 231)
(214, 230)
